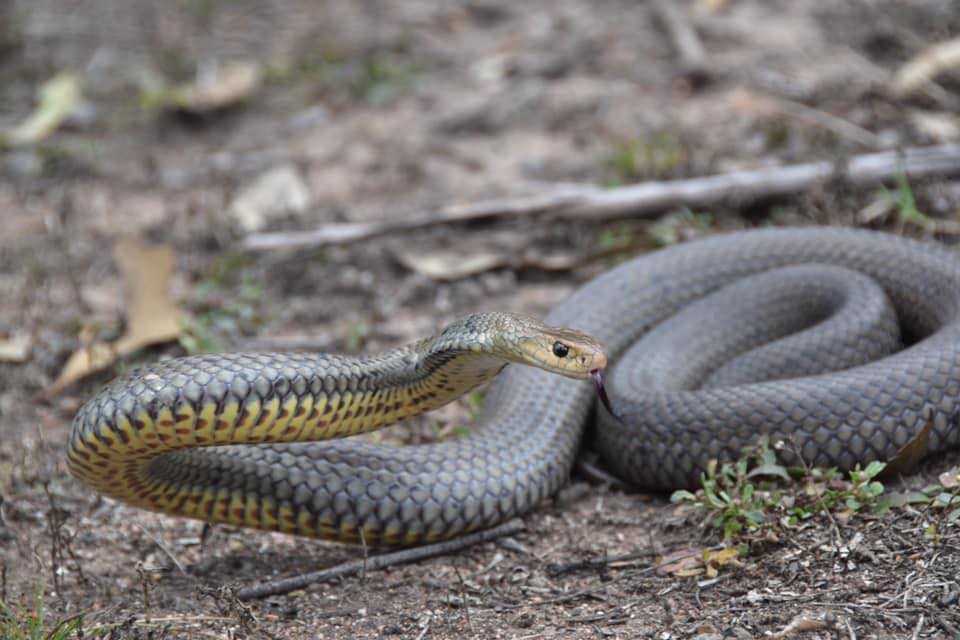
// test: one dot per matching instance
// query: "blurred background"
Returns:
(208, 175)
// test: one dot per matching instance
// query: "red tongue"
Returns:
(601, 391)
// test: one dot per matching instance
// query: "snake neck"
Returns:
(413, 379)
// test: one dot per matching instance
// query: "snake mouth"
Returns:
(601, 390)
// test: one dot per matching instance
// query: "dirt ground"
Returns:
(382, 110)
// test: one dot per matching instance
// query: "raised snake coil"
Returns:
(524, 444)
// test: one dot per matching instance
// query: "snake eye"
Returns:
(560, 350)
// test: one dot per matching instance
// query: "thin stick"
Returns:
(809, 115)
(463, 596)
(163, 548)
(644, 199)
(375, 563)
(693, 56)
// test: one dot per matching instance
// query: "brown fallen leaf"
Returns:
(950, 479)
(694, 562)
(925, 66)
(227, 85)
(909, 455)
(16, 348)
(454, 264)
(714, 560)
(683, 563)
(152, 316)
(805, 623)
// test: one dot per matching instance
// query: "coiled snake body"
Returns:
(155, 436)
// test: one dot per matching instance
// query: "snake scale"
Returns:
(691, 388)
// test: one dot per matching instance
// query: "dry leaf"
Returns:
(909, 455)
(925, 66)
(152, 316)
(226, 86)
(714, 6)
(58, 96)
(805, 623)
(684, 563)
(450, 265)
(277, 192)
(16, 348)
(722, 557)
(939, 126)
(949, 479)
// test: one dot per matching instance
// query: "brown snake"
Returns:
(691, 390)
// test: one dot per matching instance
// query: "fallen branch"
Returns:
(375, 563)
(345, 233)
(752, 185)
(645, 199)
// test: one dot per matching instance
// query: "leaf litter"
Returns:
(153, 317)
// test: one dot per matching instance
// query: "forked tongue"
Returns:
(601, 391)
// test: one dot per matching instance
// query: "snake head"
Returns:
(518, 338)
(569, 352)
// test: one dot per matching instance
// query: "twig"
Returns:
(594, 474)
(466, 604)
(165, 550)
(589, 591)
(375, 563)
(804, 623)
(916, 631)
(816, 117)
(556, 569)
(693, 57)
(144, 590)
(425, 627)
(644, 199)
(853, 634)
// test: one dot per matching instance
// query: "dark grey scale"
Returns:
(299, 385)
(281, 385)
(216, 392)
(108, 409)
(281, 490)
(263, 387)
(329, 384)
(202, 376)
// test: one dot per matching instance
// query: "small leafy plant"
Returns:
(756, 495)
(657, 156)
(731, 494)
(29, 622)
(905, 203)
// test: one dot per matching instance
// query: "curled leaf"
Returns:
(58, 96)
(152, 316)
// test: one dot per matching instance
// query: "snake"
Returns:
(692, 377)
